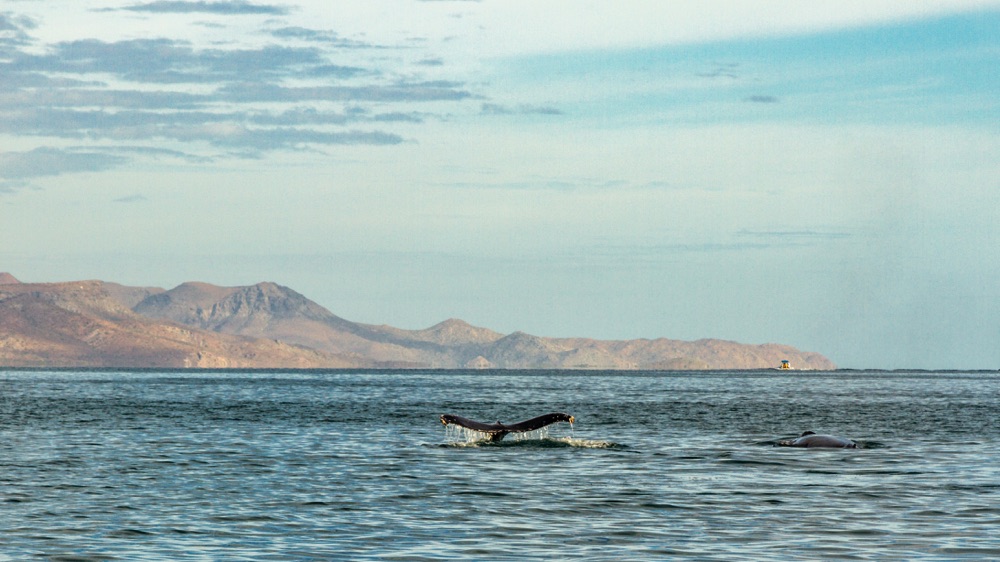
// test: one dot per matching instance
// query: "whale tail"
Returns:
(497, 431)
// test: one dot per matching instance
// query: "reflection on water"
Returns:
(294, 466)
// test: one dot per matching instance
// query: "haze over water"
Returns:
(355, 465)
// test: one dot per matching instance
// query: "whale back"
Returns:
(810, 439)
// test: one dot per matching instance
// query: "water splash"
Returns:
(456, 433)
(588, 443)
(457, 436)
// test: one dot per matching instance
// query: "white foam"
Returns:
(459, 436)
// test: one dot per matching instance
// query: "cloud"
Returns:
(167, 61)
(136, 198)
(326, 37)
(229, 7)
(398, 92)
(235, 135)
(141, 98)
(745, 241)
(761, 99)
(399, 117)
(722, 70)
(523, 109)
(559, 184)
(793, 237)
(47, 161)
(13, 29)
(259, 130)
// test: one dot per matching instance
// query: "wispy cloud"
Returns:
(167, 61)
(564, 184)
(229, 7)
(13, 28)
(299, 88)
(743, 242)
(324, 36)
(793, 236)
(722, 70)
(396, 92)
(521, 109)
(761, 99)
(53, 162)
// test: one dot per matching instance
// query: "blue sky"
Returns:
(745, 171)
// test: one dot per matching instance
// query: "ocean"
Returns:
(355, 465)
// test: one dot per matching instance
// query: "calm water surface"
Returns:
(355, 465)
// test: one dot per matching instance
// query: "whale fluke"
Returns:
(812, 439)
(497, 431)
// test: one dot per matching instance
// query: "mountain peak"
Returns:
(455, 331)
(451, 325)
(264, 309)
(7, 279)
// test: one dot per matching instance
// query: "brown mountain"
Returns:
(267, 310)
(93, 323)
(83, 324)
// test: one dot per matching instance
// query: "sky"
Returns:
(823, 175)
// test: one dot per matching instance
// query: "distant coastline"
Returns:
(99, 324)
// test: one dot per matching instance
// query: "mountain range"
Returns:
(199, 325)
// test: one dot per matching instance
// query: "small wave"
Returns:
(757, 462)
(860, 445)
(129, 533)
(483, 493)
(871, 444)
(589, 443)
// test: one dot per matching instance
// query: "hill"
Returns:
(84, 324)
(96, 323)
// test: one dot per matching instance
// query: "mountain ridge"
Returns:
(198, 324)
(81, 324)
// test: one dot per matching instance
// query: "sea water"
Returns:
(340, 465)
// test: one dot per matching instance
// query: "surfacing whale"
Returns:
(812, 439)
(497, 431)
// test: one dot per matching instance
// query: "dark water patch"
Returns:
(128, 533)
(481, 493)
(972, 553)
